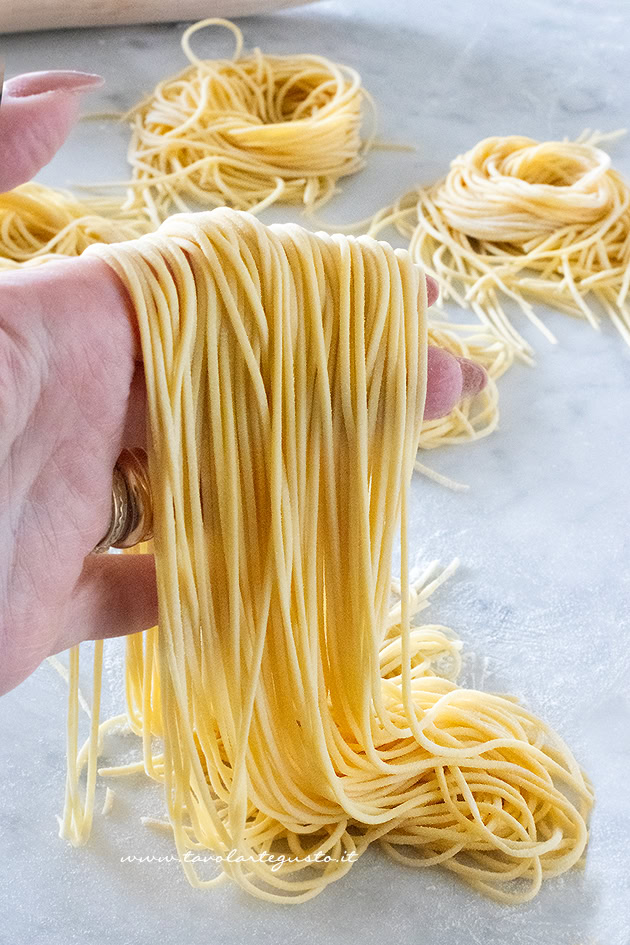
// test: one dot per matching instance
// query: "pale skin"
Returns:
(71, 396)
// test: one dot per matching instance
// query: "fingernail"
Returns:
(474, 377)
(39, 83)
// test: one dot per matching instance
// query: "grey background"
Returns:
(541, 599)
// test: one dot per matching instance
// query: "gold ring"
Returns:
(132, 511)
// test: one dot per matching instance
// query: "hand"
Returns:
(71, 397)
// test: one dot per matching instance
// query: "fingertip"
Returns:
(474, 377)
(444, 383)
(450, 378)
(37, 112)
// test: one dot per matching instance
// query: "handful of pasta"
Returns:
(301, 710)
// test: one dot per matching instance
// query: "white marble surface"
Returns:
(542, 597)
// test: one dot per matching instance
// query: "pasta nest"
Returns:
(40, 223)
(527, 221)
(246, 132)
(519, 191)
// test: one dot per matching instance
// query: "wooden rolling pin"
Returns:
(22, 15)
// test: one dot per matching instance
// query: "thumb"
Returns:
(38, 110)
(115, 595)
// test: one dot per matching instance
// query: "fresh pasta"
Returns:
(39, 223)
(246, 132)
(302, 711)
(524, 221)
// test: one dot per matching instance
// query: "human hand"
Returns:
(71, 397)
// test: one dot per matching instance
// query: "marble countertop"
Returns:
(542, 597)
